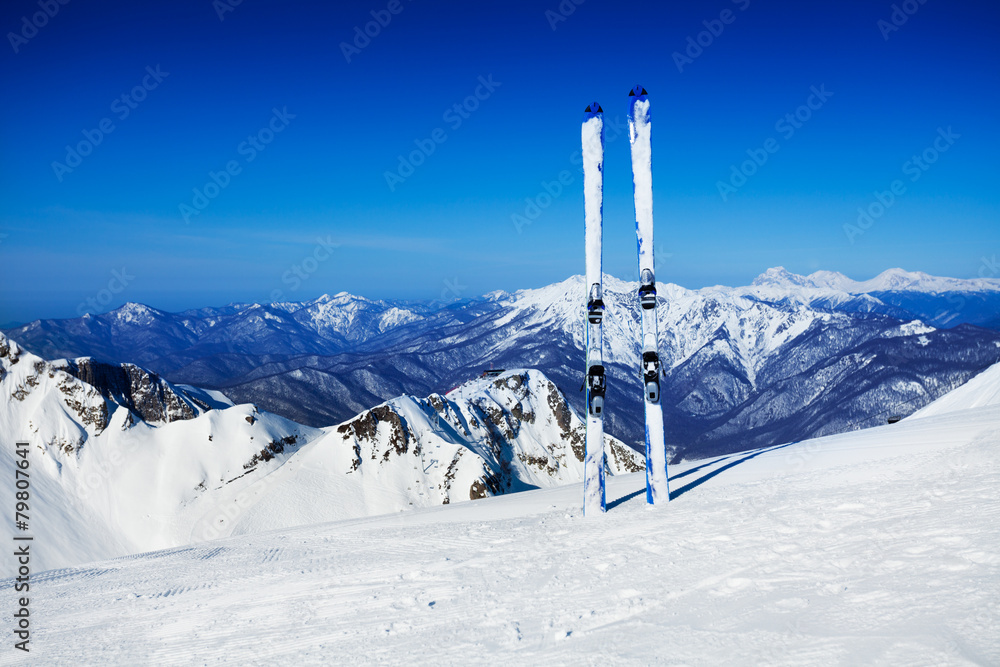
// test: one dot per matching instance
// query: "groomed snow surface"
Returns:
(874, 547)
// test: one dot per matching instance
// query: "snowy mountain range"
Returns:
(123, 461)
(891, 280)
(360, 534)
(785, 358)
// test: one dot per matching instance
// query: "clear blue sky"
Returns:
(446, 230)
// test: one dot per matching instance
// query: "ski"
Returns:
(593, 194)
(657, 482)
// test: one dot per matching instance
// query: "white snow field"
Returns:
(876, 547)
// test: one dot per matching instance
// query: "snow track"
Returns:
(876, 547)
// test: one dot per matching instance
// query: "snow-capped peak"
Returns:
(781, 277)
(899, 279)
(135, 313)
(890, 280)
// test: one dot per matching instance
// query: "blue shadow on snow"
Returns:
(677, 493)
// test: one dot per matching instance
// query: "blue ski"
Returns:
(593, 194)
(657, 482)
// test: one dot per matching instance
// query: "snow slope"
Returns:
(874, 547)
(149, 466)
(982, 390)
(105, 481)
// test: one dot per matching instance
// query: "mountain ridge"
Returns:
(131, 463)
(895, 279)
(723, 349)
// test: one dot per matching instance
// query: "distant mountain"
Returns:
(785, 358)
(122, 461)
(891, 280)
(941, 302)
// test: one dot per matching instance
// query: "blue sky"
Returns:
(312, 212)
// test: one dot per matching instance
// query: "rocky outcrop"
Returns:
(144, 393)
(488, 437)
(90, 391)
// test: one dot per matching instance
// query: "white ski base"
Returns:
(594, 493)
(875, 547)
(642, 181)
(592, 136)
(657, 483)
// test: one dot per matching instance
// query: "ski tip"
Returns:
(594, 107)
(638, 91)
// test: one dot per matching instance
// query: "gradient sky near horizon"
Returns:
(446, 230)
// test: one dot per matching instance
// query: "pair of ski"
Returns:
(657, 489)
